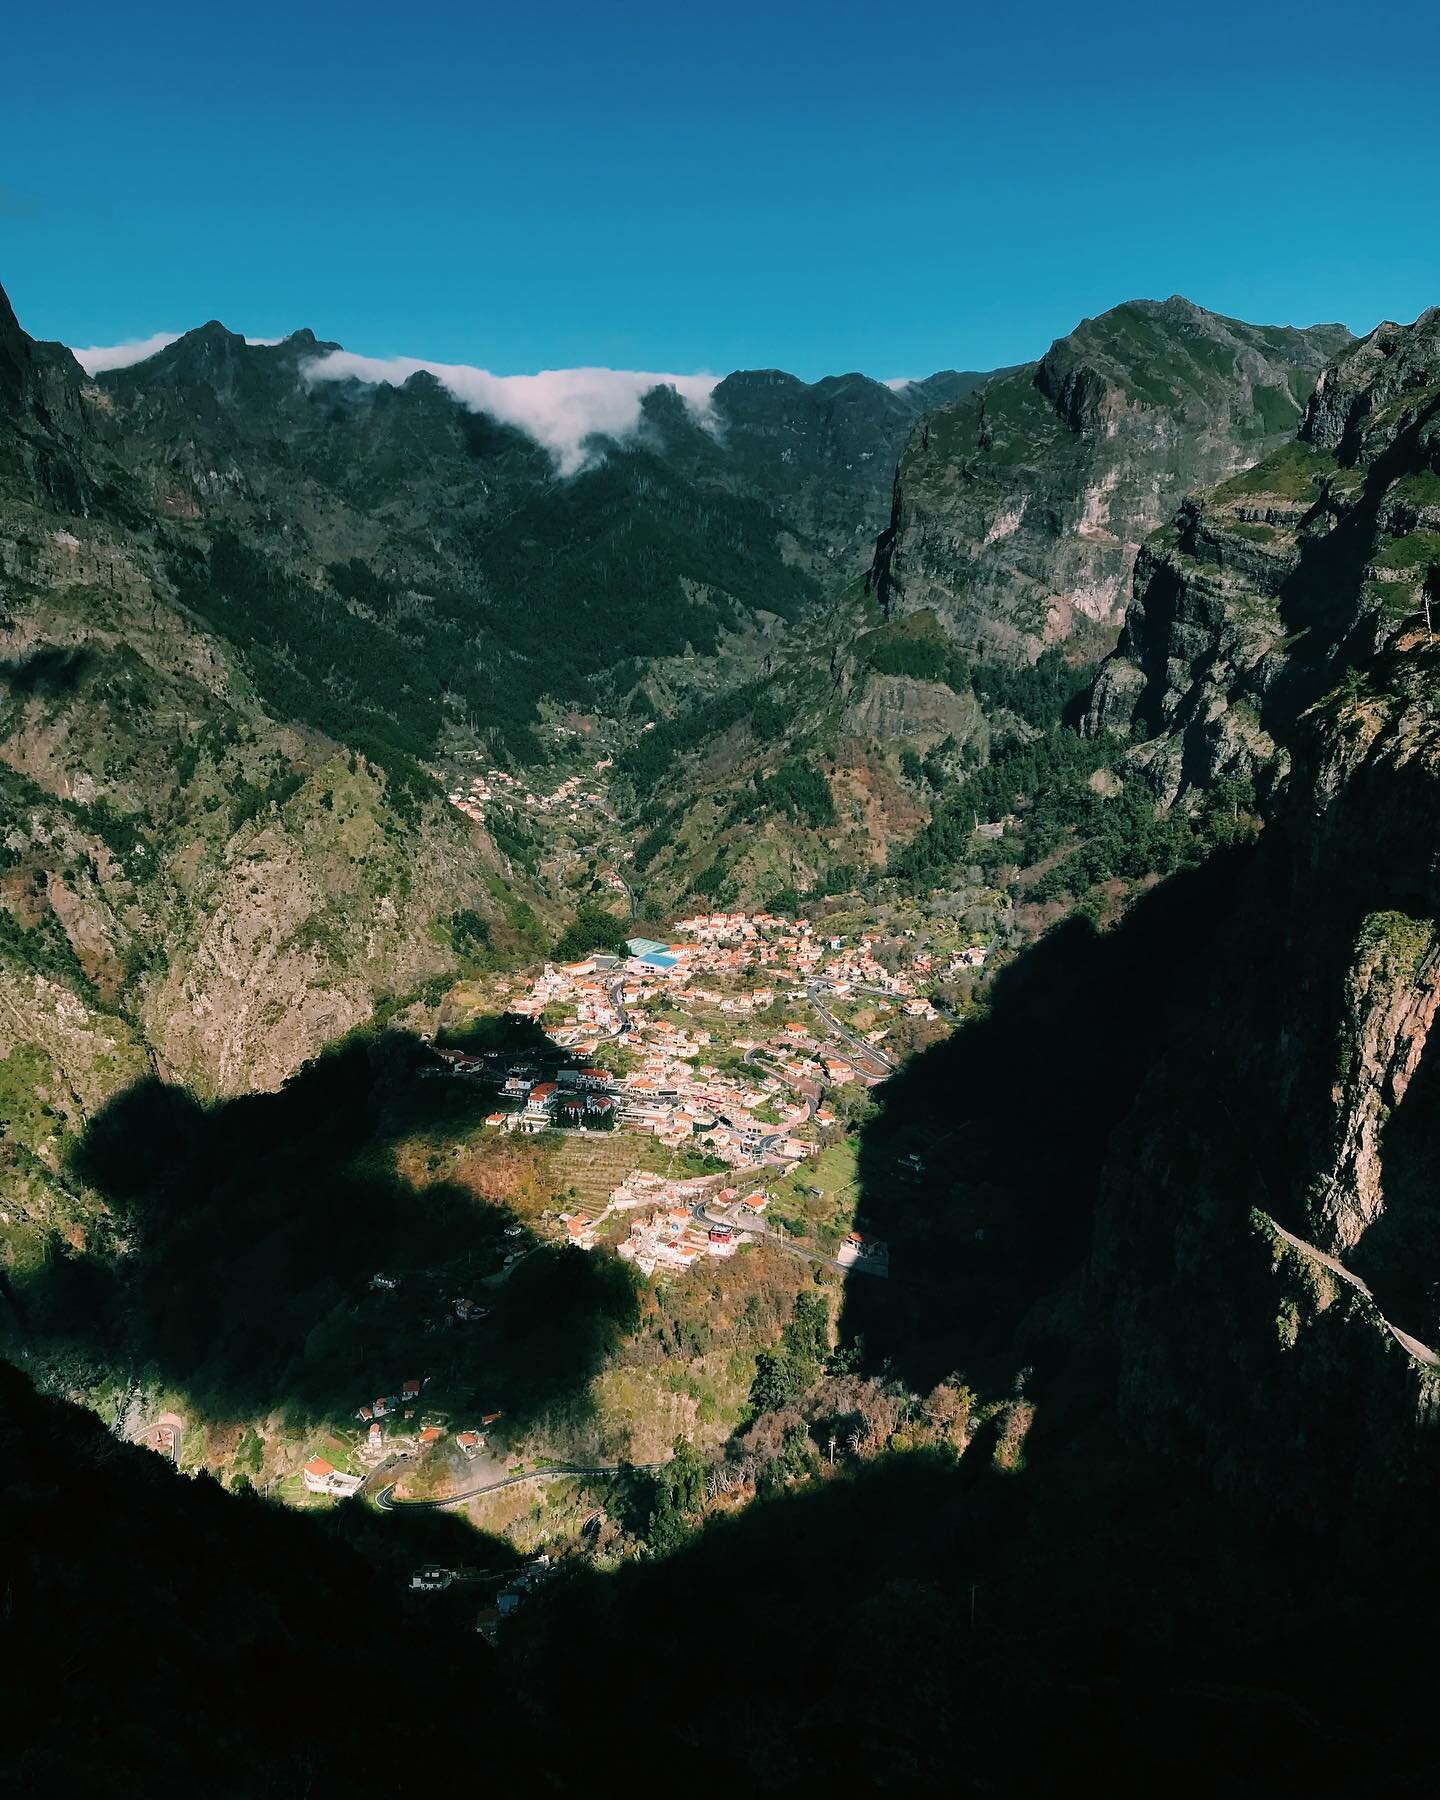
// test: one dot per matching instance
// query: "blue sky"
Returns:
(894, 187)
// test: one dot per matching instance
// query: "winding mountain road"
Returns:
(872, 1053)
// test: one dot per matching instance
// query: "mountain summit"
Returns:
(1020, 509)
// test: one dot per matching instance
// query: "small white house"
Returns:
(323, 1477)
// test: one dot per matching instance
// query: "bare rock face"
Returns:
(1020, 510)
(1265, 1244)
(894, 709)
(1261, 593)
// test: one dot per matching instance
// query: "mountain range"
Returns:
(1128, 650)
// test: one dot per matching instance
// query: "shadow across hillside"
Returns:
(161, 1636)
(1100, 1604)
(912, 1624)
(248, 1235)
(981, 1166)
(1326, 632)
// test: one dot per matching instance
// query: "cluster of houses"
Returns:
(671, 1238)
(653, 1241)
(498, 787)
(399, 1406)
(673, 1090)
(760, 1109)
(389, 1410)
(730, 940)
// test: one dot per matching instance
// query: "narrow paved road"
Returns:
(386, 1502)
(616, 991)
(1412, 1346)
(629, 895)
(788, 1245)
(871, 1052)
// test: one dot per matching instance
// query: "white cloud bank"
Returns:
(898, 383)
(559, 408)
(99, 357)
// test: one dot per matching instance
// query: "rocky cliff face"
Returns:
(1267, 1240)
(1271, 1182)
(1019, 510)
(1264, 591)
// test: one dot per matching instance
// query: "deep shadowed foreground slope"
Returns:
(161, 1636)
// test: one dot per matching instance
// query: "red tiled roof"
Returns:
(318, 1467)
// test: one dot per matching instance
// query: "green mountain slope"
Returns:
(1019, 510)
(1127, 1467)
(1018, 513)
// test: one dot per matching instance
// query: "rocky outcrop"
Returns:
(916, 715)
(1261, 593)
(1018, 512)
(1288, 1132)
(41, 421)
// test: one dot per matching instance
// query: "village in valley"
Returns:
(501, 789)
(725, 1044)
(696, 1096)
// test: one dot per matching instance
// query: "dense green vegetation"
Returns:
(915, 645)
(45, 948)
(918, 646)
(469, 932)
(622, 564)
(1125, 836)
(653, 757)
(1039, 692)
(658, 838)
(795, 791)
(314, 658)
(1116, 828)
(1057, 761)
(1293, 472)
(592, 928)
(784, 1373)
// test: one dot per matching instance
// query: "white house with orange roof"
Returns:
(323, 1477)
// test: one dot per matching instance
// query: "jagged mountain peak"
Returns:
(1367, 392)
(1019, 509)
(212, 353)
(1266, 589)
